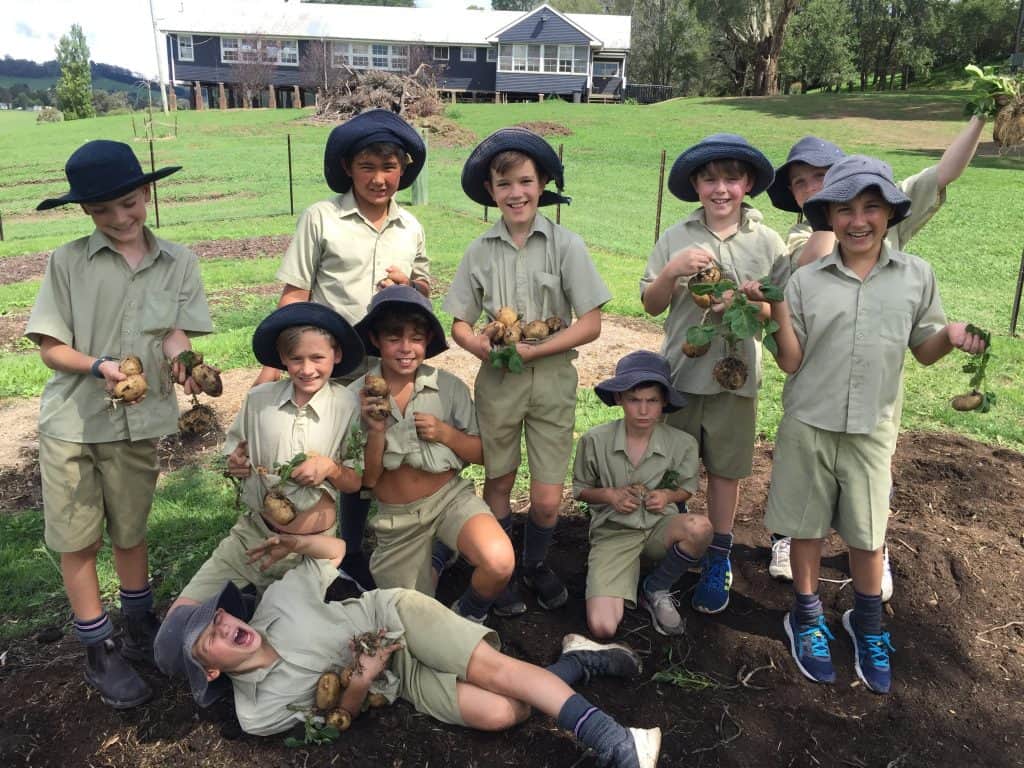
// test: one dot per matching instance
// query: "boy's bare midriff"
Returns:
(407, 484)
(317, 519)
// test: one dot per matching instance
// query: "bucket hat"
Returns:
(718, 146)
(264, 338)
(394, 297)
(847, 179)
(103, 170)
(366, 128)
(477, 169)
(172, 647)
(810, 150)
(641, 367)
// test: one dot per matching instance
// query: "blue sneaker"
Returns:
(871, 656)
(712, 593)
(809, 645)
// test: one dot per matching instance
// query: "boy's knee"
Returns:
(507, 713)
(498, 557)
(697, 533)
(602, 627)
(88, 551)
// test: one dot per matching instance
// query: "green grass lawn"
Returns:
(234, 184)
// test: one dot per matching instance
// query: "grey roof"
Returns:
(273, 18)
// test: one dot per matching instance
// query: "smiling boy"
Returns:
(540, 269)
(725, 231)
(845, 326)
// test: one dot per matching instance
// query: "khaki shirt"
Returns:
(91, 300)
(752, 252)
(339, 257)
(440, 394)
(925, 199)
(311, 637)
(854, 337)
(552, 274)
(602, 461)
(277, 429)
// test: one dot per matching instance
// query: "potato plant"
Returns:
(991, 92)
(976, 399)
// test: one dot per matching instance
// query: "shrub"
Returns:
(50, 115)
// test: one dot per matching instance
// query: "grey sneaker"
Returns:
(780, 567)
(602, 659)
(640, 751)
(662, 606)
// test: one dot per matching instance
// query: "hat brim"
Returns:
(846, 189)
(264, 338)
(375, 125)
(624, 382)
(701, 154)
(437, 344)
(779, 192)
(111, 193)
(477, 169)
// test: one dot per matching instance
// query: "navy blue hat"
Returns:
(477, 169)
(718, 146)
(371, 127)
(847, 179)
(641, 367)
(173, 645)
(393, 297)
(103, 170)
(264, 338)
(810, 150)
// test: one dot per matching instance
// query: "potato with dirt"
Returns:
(707, 276)
(208, 379)
(328, 691)
(278, 508)
(507, 316)
(130, 365)
(340, 719)
(694, 350)
(130, 389)
(730, 372)
(536, 330)
(555, 324)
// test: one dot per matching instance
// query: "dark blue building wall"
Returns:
(208, 68)
(467, 75)
(543, 27)
(539, 82)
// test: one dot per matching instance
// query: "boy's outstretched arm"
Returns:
(818, 246)
(953, 336)
(958, 154)
(476, 344)
(318, 546)
(687, 262)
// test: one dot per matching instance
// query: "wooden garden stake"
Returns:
(558, 207)
(661, 188)
(291, 191)
(152, 169)
(1016, 297)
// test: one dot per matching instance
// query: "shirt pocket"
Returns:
(159, 312)
(549, 294)
(895, 326)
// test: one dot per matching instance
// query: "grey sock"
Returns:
(593, 728)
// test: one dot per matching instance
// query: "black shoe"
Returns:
(356, 568)
(602, 659)
(551, 592)
(119, 685)
(509, 603)
(139, 633)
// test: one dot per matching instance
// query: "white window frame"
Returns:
(616, 64)
(467, 53)
(230, 45)
(183, 46)
(236, 49)
(492, 54)
(444, 56)
(357, 54)
(549, 58)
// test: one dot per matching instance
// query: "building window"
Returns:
(492, 54)
(564, 59)
(229, 50)
(185, 50)
(606, 69)
(370, 56)
(440, 53)
(467, 54)
(280, 52)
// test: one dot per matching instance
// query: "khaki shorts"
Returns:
(438, 645)
(541, 400)
(230, 563)
(406, 533)
(613, 566)
(87, 484)
(724, 426)
(823, 480)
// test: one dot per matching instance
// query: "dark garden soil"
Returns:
(957, 549)
(546, 128)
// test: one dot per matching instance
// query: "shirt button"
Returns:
(860, 336)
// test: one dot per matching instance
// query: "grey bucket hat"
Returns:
(847, 179)
(718, 146)
(810, 150)
(641, 367)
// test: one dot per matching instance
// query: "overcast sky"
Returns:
(118, 31)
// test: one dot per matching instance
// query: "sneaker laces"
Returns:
(717, 568)
(817, 636)
(878, 647)
(781, 546)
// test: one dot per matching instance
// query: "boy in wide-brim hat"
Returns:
(831, 468)
(635, 474)
(541, 270)
(120, 291)
(309, 413)
(724, 232)
(421, 432)
(347, 248)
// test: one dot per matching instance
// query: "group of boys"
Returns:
(373, 420)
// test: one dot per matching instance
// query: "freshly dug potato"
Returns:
(691, 350)
(375, 700)
(730, 373)
(711, 274)
(376, 386)
(970, 401)
(278, 508)
(340, 719)
(198, 420)
(639, 490)
(536, 330)
(495, 331)
(345, 676)
(702, 301)
(513, 333)
(507, 316)
(328, 691)
(131, 389)
(378, 411)
(208, 379)
(130, 366)
(555, 324)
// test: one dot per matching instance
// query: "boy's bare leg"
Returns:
(866, 570)
(484, 544)
(545, 501)
(132, 565)
(805, 555)
(604, 614)
(78, 569)
(723, 496)
(498, 495)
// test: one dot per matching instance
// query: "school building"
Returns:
(504, 55)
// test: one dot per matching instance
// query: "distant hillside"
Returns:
(36, 76)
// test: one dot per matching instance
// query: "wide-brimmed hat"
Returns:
(371, 127)
(172, 647)
(718, 146)
(641, 367)
(847, 179)
(264, 338)
(477, 169)
(401, 297)
(810, 150)
(103, 170)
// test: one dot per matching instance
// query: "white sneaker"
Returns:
(780, 567)
(648, 745)
(886, 576)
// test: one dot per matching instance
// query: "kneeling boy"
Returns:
(634, 473)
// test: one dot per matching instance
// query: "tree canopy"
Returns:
(74, 88)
